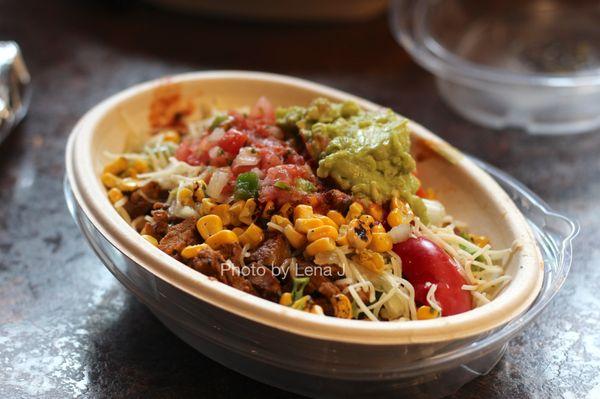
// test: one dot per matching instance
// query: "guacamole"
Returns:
(365, 152)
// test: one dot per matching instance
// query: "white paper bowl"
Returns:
(243, 331)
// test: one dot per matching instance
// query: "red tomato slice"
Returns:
(424, 262)
(232, 141)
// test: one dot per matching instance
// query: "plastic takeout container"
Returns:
(301, 352)
(533, 65)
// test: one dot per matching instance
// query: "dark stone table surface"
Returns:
(68, 329)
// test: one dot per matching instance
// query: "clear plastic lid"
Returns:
(533, 65)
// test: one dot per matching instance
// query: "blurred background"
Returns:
(68, 329)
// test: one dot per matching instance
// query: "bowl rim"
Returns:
(89, 194)
(444, 63)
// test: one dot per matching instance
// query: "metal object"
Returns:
(15, 88)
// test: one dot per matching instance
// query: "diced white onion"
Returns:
(218, 180)
(435, 211)
(246, 157)
(216, 135)
(214, 152)
(183, 211)
(399, 233)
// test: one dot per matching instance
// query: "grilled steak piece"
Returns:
(143, 199)
(233, 252)
(207, 262)
(180, 236)
(264, 282)
(337, 200)
(273, 251)
(212, 263)
(160, 223)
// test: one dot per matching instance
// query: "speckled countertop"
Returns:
(68, 329)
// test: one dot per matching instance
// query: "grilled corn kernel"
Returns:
(286, 299)
(399, 216)
(172, 136)
(150, 239)
(236, 207)
(381, 242)
(127, 184)
(395, 218)
(480, 241)
(114, 194)
(209, 225)
(378, 228)
(238, 231)
(305, 224)
(222, 211)
(109, 180)
(376, 211)
(359, 234)
(268, 210)
(296, 239)
(247, 213)
(116, 167)
(396, 203)
(368, 220)
(199, 193)
(140, 166)
(280, 220)
(354, 211)
(286, 210)
(130, 172)
(327, 221)
(427, 313)
(221, 238)
(337, 217)
(184, 196)
(303, 212)
(342, 235)
(322, 232)
(234, 211)
(207, 206)
(371, 260)
(316, 309)
(324, 244)
(252, 236)
(341, 306)
(192, 251)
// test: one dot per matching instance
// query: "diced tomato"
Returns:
(222, 158)
(424, 263)
(192, 151)
(270, 131)
(232, 141)
(285, 177)
(269, 158)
